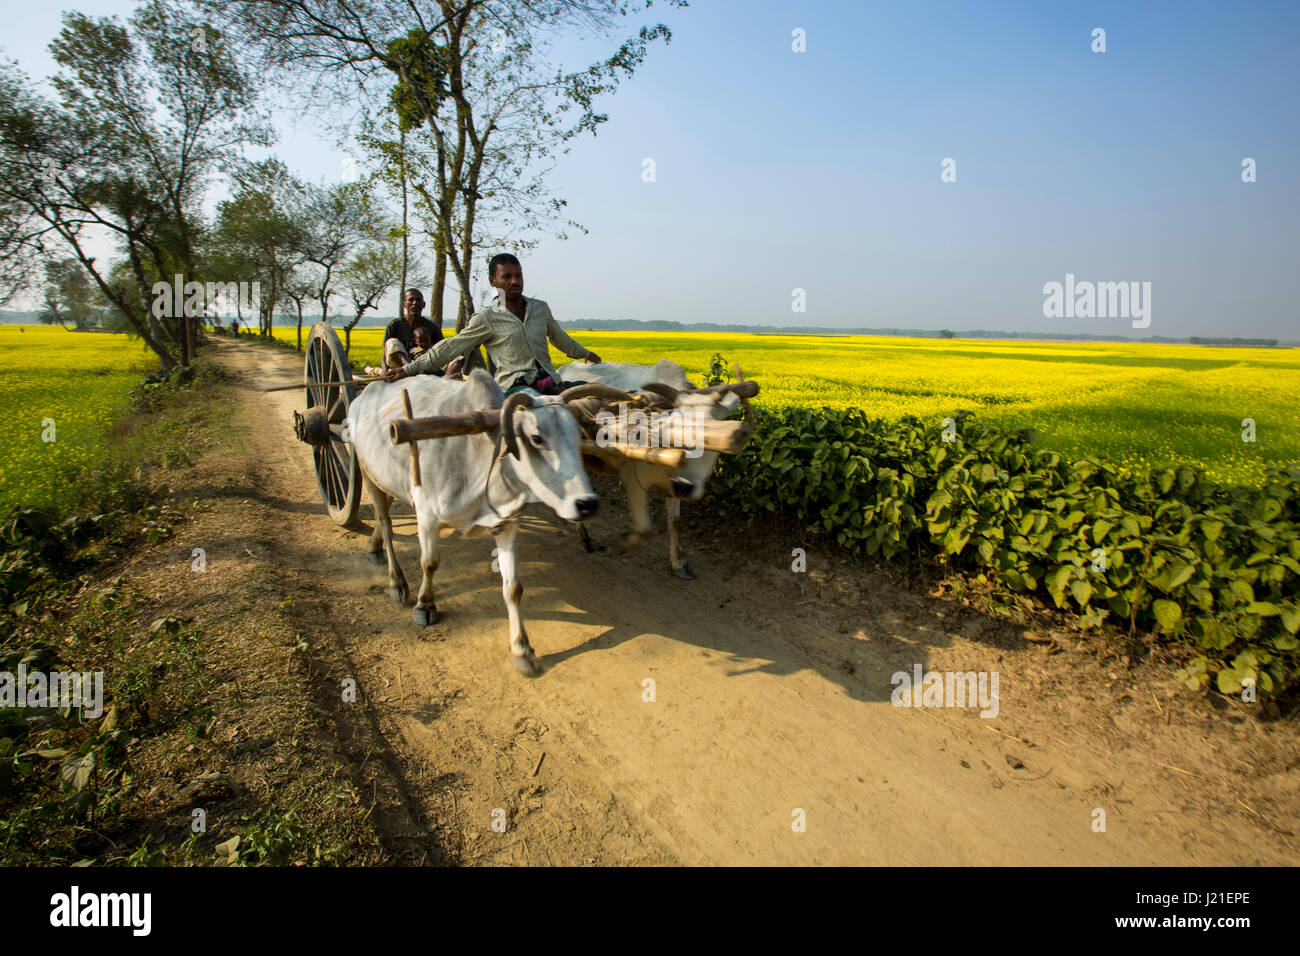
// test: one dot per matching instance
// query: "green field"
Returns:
(77, 380)
(1138, 405)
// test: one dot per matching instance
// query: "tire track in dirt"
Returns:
(766, 704)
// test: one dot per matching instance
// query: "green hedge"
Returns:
(1180, 556)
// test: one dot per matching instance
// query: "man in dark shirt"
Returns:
(403, 329)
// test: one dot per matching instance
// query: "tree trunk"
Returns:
(465, 308)
(325, 293)
(183, 324)
(401, 295)
(168, 360)
(436, 308)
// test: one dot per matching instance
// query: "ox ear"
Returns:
(670, 373)
(482, 391)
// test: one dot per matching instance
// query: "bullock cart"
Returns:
(331, 389)
(538, 450)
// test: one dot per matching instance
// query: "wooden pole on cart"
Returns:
(415, 445)
(671, 457)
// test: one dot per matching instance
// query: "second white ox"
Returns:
(463, 485)
(638, 477)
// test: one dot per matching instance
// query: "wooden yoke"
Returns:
(442, 426)
(723, 436)
(671, 457)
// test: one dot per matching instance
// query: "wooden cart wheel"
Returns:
(338, 475)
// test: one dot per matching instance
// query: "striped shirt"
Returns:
(518, 349)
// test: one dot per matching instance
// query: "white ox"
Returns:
(690, 481)
(463, 486)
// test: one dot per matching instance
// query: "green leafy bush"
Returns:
(1166, 551)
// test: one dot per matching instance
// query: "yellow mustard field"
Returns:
(1139, 405)
(60, 391)
(1136, 404)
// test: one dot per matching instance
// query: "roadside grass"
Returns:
(154, 778)
(60, 388)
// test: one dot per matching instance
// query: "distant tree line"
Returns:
(1259, 343)
(670, 325)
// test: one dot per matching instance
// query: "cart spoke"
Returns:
(343, 476)
(331, 469)
(313, 372)
(338, 452)
(318, 456)
(320, 373)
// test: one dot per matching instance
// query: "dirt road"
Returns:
(771, 701)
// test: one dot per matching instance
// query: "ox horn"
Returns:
(745, 389)
(662, 390)
(508, 419)
(597, 390)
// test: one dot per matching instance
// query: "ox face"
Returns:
(550, 460)
(691, 480)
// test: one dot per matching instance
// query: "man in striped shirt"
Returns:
(515, 332)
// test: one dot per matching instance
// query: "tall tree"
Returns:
(469, 74)
(486, 67)
(258, 226)
(146, 114)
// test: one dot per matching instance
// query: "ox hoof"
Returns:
(376, 558)
(526, 664)
(684, 572)
(398, 595)
(424, 616)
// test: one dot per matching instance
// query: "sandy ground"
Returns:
(771, 699)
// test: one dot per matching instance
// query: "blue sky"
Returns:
(820, 170)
